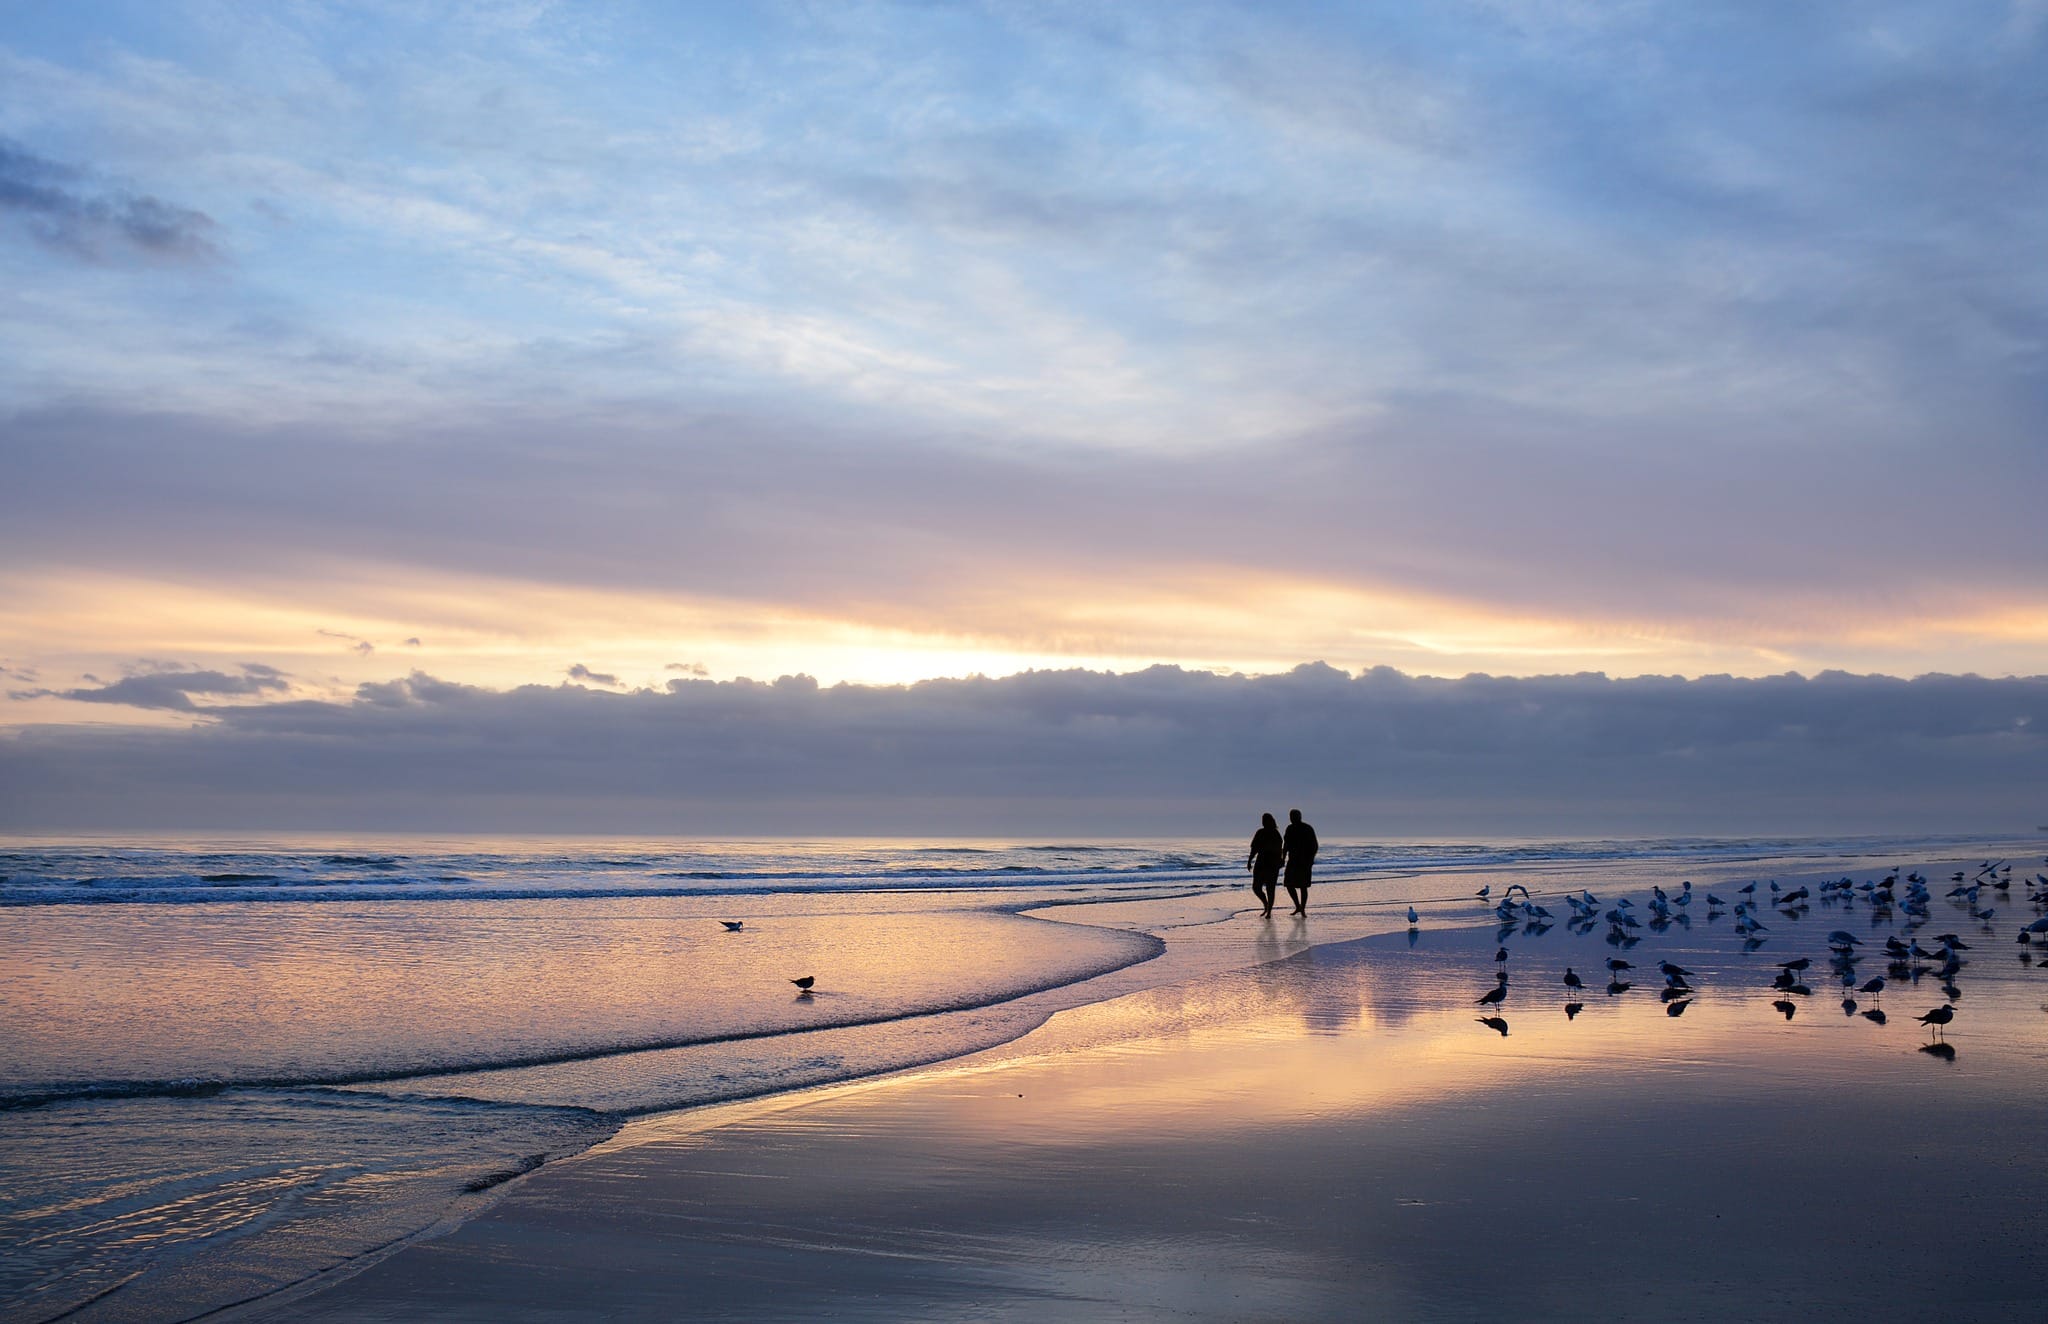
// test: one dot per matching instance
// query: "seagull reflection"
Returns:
(1495, 1023)
(1787, 1007)
(1572, 1010)
(1616, 988)
(1876, 1016)
(1677, 1008)
(1940, 1048)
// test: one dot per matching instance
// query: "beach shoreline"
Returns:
(1288, 1139)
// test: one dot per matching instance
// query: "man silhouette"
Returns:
(1264, 861)
(1300, 847)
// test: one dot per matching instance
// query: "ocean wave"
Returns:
(1135, 949)
(78, 874)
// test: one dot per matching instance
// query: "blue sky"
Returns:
(889, 341)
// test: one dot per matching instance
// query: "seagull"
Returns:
(1413, 918)
(1572, 980)
(1484, 892)
(733, 925)
(1494, 996)
(1501, 957)
(1873, 986)
(1937, 1018)
(805, 983)
(1800, 964)
(1617, 965)
(1673, 971)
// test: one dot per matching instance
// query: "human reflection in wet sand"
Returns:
(1268, 847)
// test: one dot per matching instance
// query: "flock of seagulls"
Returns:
(1903, 901)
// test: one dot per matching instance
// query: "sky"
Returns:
(584, 359)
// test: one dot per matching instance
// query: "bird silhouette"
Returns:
(1572, 980)
(1616, 988)
(1676, 1008)
(1876, 1016)
(1787, 1007)
(1572, 1010)
(1494, 996)
(733, 925)
(1495, 1023)
(1938, 1017)
(805, 983)
(1673, 971)
(1940, 1048)
(1413, 918)
(1617, 965)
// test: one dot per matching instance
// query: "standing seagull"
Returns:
(1939, 1017)
(1572, 980)
(1413, 918)
(805, 983)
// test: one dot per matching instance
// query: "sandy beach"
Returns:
(1329, 1135)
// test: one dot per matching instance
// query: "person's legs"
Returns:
(1264, 892)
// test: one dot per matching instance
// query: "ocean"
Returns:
(229, 1065)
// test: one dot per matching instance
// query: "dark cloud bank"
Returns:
(1071, 752)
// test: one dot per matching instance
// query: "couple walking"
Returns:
(1271, 852)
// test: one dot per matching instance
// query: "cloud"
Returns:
(71, 210)
(356, 643)
(1363, 545)
(412, 642)
(167, 688)
(688, 668)
(1161, 750)
(581, 672)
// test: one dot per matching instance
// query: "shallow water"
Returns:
(467, 1029)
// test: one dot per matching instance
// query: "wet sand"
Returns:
(1333, 1135)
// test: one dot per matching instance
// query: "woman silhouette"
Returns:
(1264, 862)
